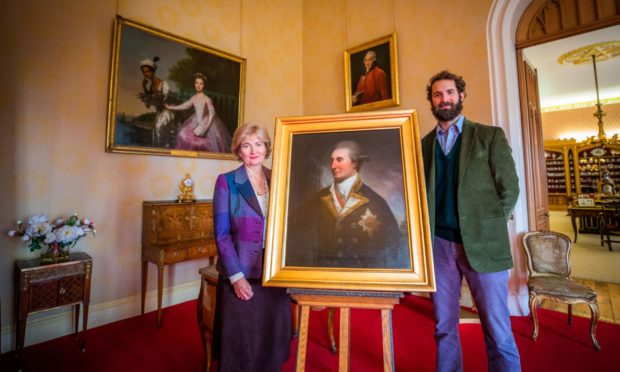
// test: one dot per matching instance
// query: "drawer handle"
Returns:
(62, 291)
(175, 254)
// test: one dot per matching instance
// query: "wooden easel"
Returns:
(345, 300)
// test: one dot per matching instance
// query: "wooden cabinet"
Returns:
(174, 232)
(577, 168)
(42, 287)
(593, 163)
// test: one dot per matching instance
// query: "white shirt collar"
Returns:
(344, 187)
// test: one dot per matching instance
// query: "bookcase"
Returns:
(577, 167)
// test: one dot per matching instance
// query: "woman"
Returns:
(252, 322)
(204, 130)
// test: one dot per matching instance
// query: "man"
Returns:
(472, 188)
(347, 224)
(373, 84)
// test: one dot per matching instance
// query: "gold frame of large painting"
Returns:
(387, 243)
(153, 73)
(374, 86)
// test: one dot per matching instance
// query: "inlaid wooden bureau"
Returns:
(43, 287)
(174, 232)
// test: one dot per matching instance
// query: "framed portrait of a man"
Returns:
(371, 75)
(172, 96)
(348, 204)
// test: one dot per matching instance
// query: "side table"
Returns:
(43, 287)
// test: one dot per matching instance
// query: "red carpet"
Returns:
(136, 344)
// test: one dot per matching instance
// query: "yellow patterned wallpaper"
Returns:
(430, 38)
(56, 63)
(580, 123)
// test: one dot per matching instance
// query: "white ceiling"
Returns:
(570, 84)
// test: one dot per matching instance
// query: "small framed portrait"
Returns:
(585, 202)
(172, 96)
(348, 205)
(371, 75)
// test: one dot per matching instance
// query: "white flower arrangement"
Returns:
(63, 232)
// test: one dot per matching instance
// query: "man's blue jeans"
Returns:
(490, 293)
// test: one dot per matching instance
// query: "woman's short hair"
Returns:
(247, 130)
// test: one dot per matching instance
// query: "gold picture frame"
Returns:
(295, 255)
(371, 85)
(154, 107)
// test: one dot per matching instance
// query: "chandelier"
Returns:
(601, 51)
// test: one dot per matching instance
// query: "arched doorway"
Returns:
(513, 25)
(541, 22)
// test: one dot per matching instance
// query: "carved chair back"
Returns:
(547, 253)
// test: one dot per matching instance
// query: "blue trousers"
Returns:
(490, 293)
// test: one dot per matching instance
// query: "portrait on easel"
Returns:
(348, 197)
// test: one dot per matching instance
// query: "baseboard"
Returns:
(52, 324)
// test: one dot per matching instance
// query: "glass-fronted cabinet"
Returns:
(595, 164)
(579, 168)
(556, 172)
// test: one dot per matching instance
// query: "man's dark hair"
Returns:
(445, 75)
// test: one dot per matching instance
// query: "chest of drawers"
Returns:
(174, 232)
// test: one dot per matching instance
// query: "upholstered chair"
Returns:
(549, 277)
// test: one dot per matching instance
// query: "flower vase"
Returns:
(55, 254)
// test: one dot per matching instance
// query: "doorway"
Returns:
(567, 97)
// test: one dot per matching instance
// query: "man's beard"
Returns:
(443, 114)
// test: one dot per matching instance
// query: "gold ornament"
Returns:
(187, 190)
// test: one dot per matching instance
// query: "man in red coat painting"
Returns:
(373, 84)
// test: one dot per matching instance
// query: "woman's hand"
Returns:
(243, 289)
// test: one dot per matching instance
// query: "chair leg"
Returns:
(330, 330)
(295, 318)
(593, 320)
(570, 314)
(534, 316)
(608, 240)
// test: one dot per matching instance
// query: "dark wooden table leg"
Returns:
(160, 290)
(145, 275)
(21, 315)
(85, 324)
(574, 222)
(77, 321)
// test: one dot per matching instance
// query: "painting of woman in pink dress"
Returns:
(204, 130)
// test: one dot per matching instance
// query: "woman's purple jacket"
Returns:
(238, 223)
